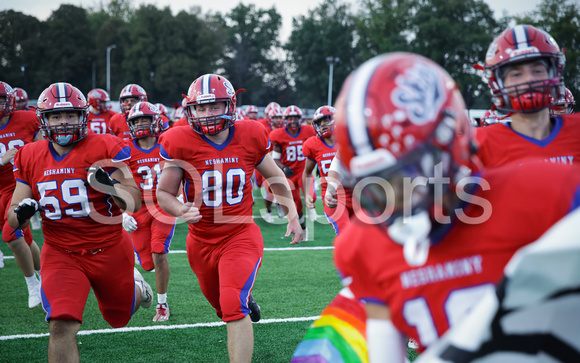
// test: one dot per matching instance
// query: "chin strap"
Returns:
(413, 233)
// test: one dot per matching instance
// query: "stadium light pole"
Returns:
(109, 48)
(331, 61)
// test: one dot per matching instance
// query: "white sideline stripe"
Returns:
(265, 249)
(158, 327)
(280, 249)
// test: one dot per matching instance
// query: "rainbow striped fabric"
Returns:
(337, 336)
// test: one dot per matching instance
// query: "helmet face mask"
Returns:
(407, 134)
(323, 121)
(21, 99)
(98, 98)
(564, 105)
(293, 118)
(7, 94)
(62, 98)
(517, 48)
(274, 115)
(205, 98)
(130, 95)
(139, 129)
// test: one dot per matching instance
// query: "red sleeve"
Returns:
(308, 151)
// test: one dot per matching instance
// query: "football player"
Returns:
(320, 151)
(99, 113)
(129, 96)
(17, 128)
(431, 237)
(151, 228)
(252, 112)
(215, 159)
(273, 119)
(81, 204)
(21, 99)
(288, 142)
(524, 67)
(565, 105)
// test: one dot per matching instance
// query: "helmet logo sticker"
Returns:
(419, 93)
(229, 89)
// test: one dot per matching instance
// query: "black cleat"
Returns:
(254, 309)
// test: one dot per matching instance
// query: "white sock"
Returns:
(162, 298)
(37, 272)
(31, 281)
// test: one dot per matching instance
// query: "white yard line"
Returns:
(158, 327)
(7, 257)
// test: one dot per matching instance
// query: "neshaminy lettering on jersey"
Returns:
(10, 134)
(59, 171)
(441, 271)
(566, 160)
(221, 161)
(148, 160)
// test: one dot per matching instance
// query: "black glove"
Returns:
(97, 176)
(26, 210)
(288, 171)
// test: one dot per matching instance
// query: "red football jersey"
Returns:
(499, 144)
(146, 166)
(322, 154)
(292, 154)
(99, 124)
(75, 216)
(181, 122)
(266, 124)
(217, 177)
(469, 258)
(21, 128)
(118, 126)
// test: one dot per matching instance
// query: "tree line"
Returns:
(165, 52)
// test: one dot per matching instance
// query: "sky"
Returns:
(41, 9)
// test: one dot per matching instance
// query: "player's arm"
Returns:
(281, 190)
(168, 187)
(384, 342)
(8, 156)
(332, 182)
(22, 194)
(128, 194)
(277, 155)
(307, 182)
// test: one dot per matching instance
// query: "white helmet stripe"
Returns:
(61, 91)
(521, 37)
(355, 108)
(205, 84)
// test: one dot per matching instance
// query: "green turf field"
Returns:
(292, 288)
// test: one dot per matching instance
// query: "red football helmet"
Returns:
(270, 106)
(564, 105)
(323, 121)
(131, 91)
(296, 114)
(145, 109)
(62, 97)
(400, 117)
(98, 98)
(240, 113)
(275, 117)
(7, 92)
(162, 109)
(252, 112)
(522, 44)
(21, 99)
(211, 88)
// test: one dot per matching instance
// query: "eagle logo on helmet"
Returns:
(230, 91)
(420, 93)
